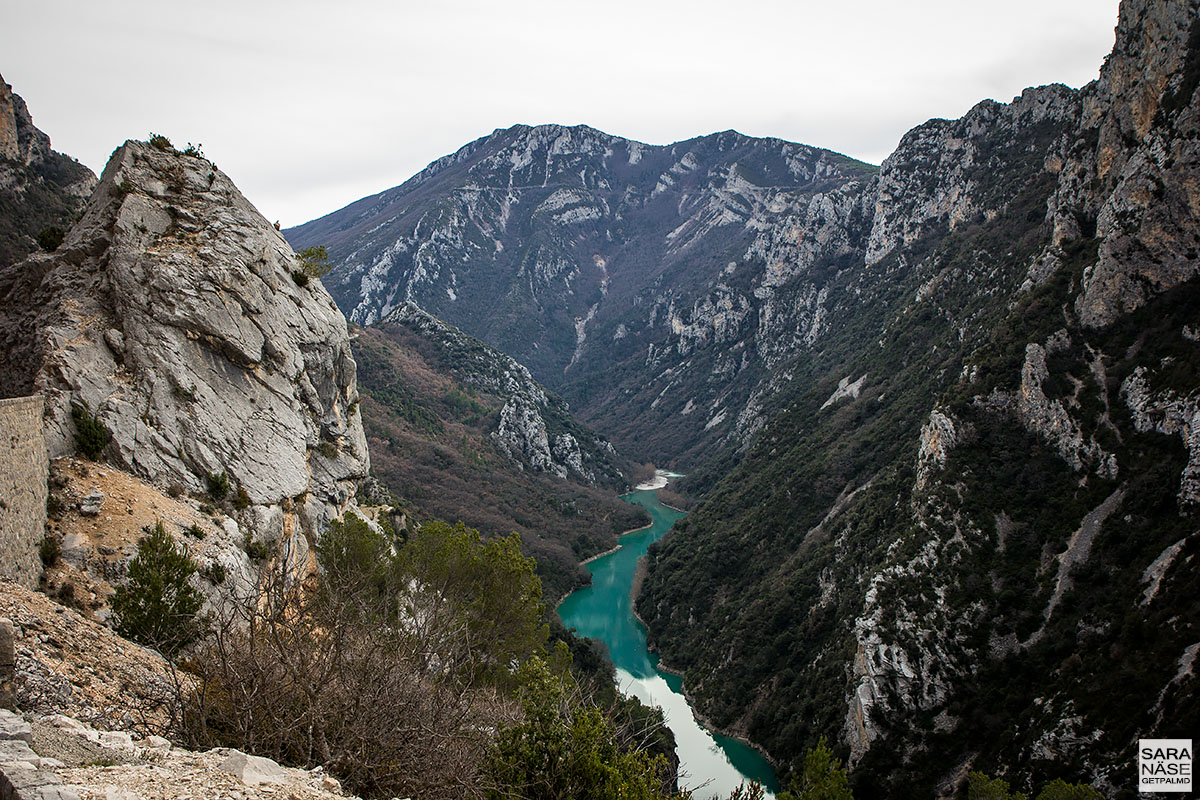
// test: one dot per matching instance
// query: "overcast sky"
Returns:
(310, 105)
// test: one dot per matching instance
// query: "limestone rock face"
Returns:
(170, 312)
(42, 188)
(1144, 119)
(535, 429)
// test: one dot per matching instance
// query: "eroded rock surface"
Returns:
(172, 314)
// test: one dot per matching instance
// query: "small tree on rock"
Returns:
(823, 777)
(157, 607)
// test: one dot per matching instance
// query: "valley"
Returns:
(407, 463)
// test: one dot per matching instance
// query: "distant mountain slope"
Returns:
(39, 188)
(462, 432)
(619, 273)
(965, 538)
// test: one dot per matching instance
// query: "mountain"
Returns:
(619, 273)
(171, 314)
(39, 188)
(460, 431)
(965, 538)
(942, 414)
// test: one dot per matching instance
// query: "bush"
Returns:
(159, 141)
(256, 550)
(214, 573)
(49, 550)
(157, 606)
(313, 263)
(567, 748)
(241, 499)
(300, 278)
(50, 238)
(218, 486)
(91, 436)
(822, 778)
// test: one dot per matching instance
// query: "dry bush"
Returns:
(378, 676)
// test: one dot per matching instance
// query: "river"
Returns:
(604, 611)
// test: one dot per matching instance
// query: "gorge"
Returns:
(713, 765)
(938, 420)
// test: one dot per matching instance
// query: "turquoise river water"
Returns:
(604, 611)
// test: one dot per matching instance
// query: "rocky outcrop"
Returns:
(1171, 413)
(60, 758)
(1050, 418)
(39, 187)
(534, 428)
(1138, 142)
(171, 313)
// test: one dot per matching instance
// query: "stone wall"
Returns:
(24, 469)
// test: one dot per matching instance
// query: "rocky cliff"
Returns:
(172, 314)
(39, 187)
(978, 560)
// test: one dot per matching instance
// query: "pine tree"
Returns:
(157, 607)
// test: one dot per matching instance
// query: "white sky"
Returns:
(311, 105)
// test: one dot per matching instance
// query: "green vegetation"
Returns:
(160, 142)
(312, 262)
(50, 238)
(567, 748)
(255, 549)
(982, 787)
(91, 435)
(412, 668)
(822, 777)
(49, 550)
(218, 485)
(241, 499)
(157, 606)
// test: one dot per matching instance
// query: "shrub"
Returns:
(313, 262)
(157, 606)
(982, 787)
(50, 238)
(256, 549)
(564, 748)
(214, 573)
(241, 499)
(91, 436)
(218, 486)
(300, 278)
(822, 778)
(194, 150)
(159, 141)
(327, 449)
(195, 531)
(49, 550)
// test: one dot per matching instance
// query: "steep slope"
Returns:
(619, 273)
(39, 188)
(171, 313)
(462, 432)
(962, 539)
